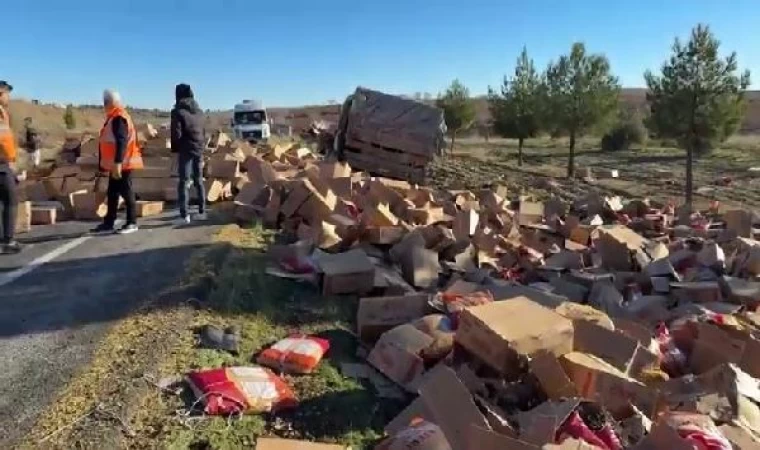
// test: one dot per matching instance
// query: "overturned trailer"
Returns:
(389, 135)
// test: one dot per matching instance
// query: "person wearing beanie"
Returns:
(188, 139)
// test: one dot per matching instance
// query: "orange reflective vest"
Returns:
(107, 144)
(7, 140)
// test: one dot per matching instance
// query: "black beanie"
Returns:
(183, 91)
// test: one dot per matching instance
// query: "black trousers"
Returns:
(121, 188)
(8, 206)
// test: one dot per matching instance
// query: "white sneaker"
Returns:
(183, 221)
(200, 217)
(128, 229)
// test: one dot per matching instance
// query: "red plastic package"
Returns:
(233, 390)
(295, 354)
(574, 427)
(672, 359)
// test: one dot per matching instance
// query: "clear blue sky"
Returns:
(295, 52)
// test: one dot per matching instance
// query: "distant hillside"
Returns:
(49, 118)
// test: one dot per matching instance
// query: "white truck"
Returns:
(250, 121)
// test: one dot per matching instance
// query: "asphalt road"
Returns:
(58, 298)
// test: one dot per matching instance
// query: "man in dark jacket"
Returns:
(32, 142)
(188, 139)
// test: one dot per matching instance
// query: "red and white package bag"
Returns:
(233, 390)
(297, 354)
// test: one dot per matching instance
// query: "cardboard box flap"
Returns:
(539, 425)
(455, 412)
(352, 261)
(416, 409)
(613, 347)
(552, 377)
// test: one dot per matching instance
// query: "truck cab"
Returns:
(250, 121)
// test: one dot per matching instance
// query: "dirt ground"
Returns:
(655, 172)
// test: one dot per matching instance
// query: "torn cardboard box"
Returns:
(397, 355)
(351, 272)
(499, 333)
(377, 315)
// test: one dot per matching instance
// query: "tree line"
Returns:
(696, 99)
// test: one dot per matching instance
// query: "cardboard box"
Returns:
(420, 267)
(35, 191)
(24, 217)
(598, 380)
(616, 243)
(263, 443)
(149, 208)
(44, 215)
(498, 333)
(620, 350)
(384, 235)
(379, 215)
(551, 376)
(739, 221)
(530, 212)
(455, 412)
(351, 272)
(397, 355)
(377, 315)
(89, 206)
(465, 224)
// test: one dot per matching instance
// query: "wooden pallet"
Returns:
(380, 153)
(393, 141)
(386, 168)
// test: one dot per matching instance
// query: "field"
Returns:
(656, 172)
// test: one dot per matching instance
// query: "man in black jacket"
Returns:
(188, 139)
(32, 142)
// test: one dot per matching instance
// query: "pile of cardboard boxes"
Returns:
(75, 189)
(518, 324)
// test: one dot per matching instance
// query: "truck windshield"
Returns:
(250, 117)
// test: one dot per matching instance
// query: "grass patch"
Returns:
(332, 408)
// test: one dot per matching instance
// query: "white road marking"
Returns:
(12, 276)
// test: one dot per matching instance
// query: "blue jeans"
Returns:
(190, 166)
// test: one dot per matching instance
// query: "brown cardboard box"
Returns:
(615, 245)
(149, 208)
(384, 235)
(377, 315)
(539, 425)
(455, 412)
(465, 224)
(697, 291)
(397, 355)
(35, 191)
(44, 215)
(224, 169)
(598, 380)
(152, 188)
(215, 189)
(89, 206)
(739, 221)
(498, 332)
(379, 215)
(420, 267)
(530, 212)
(24, 217)
(552, 377)
(618, 349)
(263, 443)
(351, 272)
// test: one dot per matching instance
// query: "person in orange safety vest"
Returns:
(119, 156)
(8, 197)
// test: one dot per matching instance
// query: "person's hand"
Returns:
(116, 171)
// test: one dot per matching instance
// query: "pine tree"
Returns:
(516, 109)
(458, 109)
(698, 99)
(581, 93)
